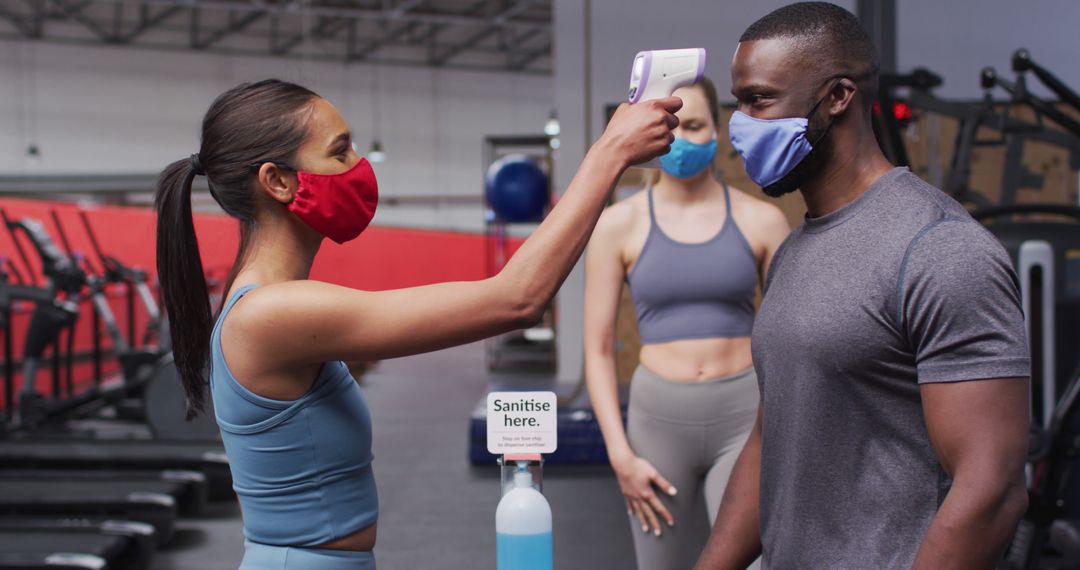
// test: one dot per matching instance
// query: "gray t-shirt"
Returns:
(899, 288)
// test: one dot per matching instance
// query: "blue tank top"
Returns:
(301, 468)
(694, 290)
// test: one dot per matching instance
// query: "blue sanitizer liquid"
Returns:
(523, 551)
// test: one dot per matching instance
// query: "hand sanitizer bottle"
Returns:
(523, 526)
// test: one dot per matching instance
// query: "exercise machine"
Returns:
(1047, 537)
(981, 116)
(1046, 254)
(87, 455)
(63, 282)
(149, 387)
(77, 543)
(190, 486)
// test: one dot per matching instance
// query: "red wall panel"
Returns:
(382, 258)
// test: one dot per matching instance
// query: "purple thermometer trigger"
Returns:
(646, 67)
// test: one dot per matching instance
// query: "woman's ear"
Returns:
(276, 182)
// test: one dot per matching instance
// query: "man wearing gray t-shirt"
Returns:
(889, 346)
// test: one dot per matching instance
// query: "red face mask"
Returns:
(338, 206)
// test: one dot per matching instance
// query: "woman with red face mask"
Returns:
(295, 426)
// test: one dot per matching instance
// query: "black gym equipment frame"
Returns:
(1013, 133)
(149, 387)
(1052, 455)
(64, 277)
(10, 293)
(50, 319)
(1042, 251)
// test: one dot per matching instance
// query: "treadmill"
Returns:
(123, 455)
(29, 543)
(192, 484)
(153, 503)
(81, 503)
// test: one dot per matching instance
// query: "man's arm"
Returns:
(960, 310)
(736, 540)
(979, 430)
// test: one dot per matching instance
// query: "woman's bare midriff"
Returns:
(363, 539)
(695, 360)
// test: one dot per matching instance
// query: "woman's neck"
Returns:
(699, 188)
(281, 250)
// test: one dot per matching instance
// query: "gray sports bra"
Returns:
(694, 290)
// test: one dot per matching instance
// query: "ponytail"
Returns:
(183, 284)
(244, 127)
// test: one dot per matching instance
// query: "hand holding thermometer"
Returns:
(658, 73)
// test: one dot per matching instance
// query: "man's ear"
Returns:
(842, 96)
(277, 182)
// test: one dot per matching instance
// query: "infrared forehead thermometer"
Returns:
(658, 73)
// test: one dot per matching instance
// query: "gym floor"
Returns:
(436, 510)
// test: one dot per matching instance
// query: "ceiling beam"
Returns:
(428, 32)
(530, 56)
(234, 26)
(399, 61)
(356, 12)
(495, 24)
(74, 11)
(323, 28)
(374, 45)
(149, 22)
(16, 21)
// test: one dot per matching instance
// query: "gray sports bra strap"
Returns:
(727, 203)
(652, 215)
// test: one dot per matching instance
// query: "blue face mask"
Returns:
(771, 148)
(687, 159)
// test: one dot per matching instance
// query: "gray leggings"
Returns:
(692, 432)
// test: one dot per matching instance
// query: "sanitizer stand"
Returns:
(521, 427)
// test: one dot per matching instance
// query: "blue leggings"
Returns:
(267, 557)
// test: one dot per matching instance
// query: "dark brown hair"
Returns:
(244, 127)
(709, 89)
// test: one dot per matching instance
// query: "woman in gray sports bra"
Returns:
(692, 252)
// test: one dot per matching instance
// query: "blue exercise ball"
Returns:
(516, 189)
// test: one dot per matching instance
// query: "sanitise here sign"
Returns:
(521, 422)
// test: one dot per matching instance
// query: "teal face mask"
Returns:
(688, 159)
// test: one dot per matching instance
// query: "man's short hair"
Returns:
(828, 35)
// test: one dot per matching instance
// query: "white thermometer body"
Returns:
(658, 73)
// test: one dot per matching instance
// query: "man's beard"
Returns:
(808, 168)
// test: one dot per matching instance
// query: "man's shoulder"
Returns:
(907, 206)
(915, 198)
(953, 241)
(902, 211)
